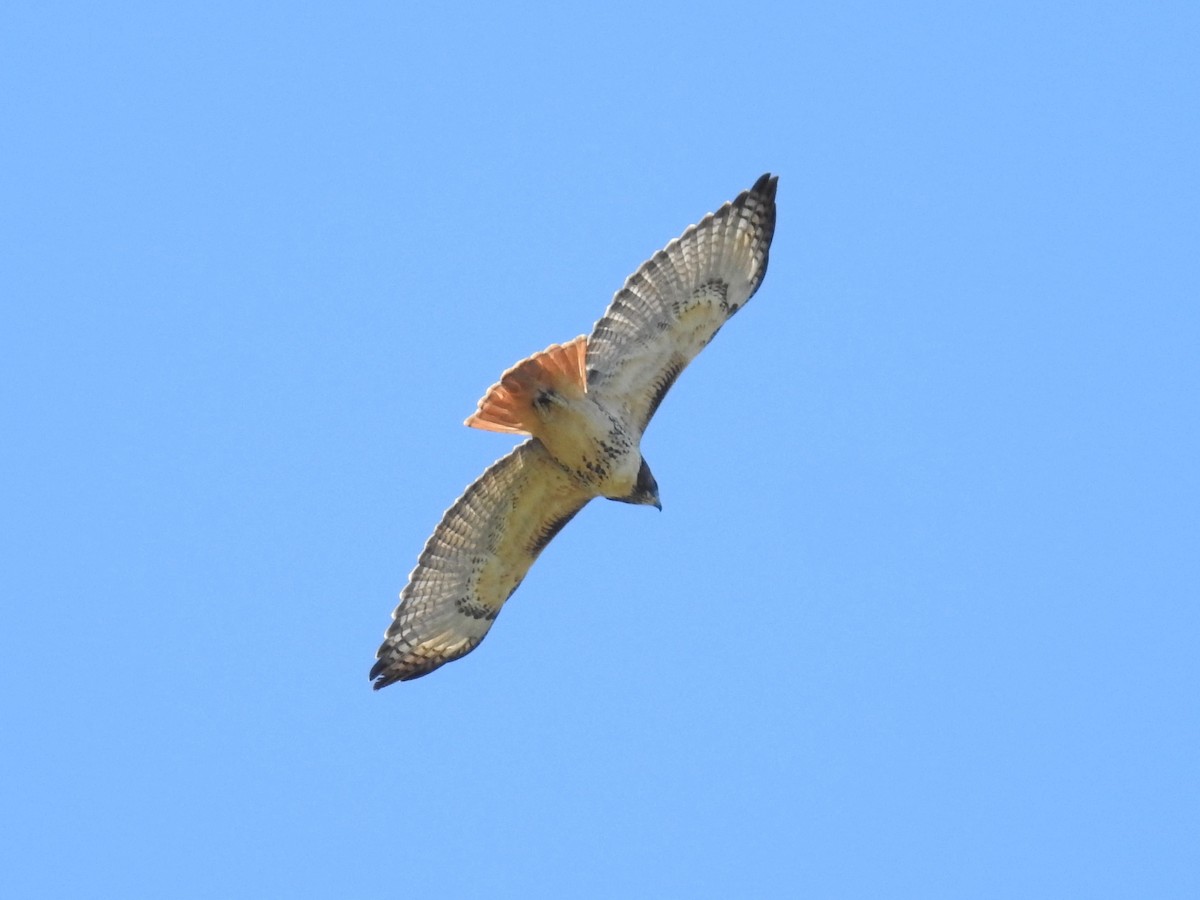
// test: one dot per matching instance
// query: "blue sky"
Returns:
(919, 617)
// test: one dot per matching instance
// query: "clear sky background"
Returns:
(920, 615)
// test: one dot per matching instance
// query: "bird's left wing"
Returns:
(475, 559)
(673, 305)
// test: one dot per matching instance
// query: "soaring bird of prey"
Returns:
(584, 405)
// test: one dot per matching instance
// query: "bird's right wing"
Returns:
(475, 559)
(673, 305)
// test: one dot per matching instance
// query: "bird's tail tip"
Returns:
(508, 405)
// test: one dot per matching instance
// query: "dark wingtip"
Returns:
(378, 675)
(407, 668)
(384, 680)
(766, 185)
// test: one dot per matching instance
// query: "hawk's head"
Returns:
(645, 489)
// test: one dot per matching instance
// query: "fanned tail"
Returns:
(509, 404)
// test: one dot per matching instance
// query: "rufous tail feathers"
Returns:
(508, 405)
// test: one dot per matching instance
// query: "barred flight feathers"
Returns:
(475, 559)
(674, 304)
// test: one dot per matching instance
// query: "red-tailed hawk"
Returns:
(585, 404)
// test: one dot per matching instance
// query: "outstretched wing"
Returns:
(475, 559)
(673, 305)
